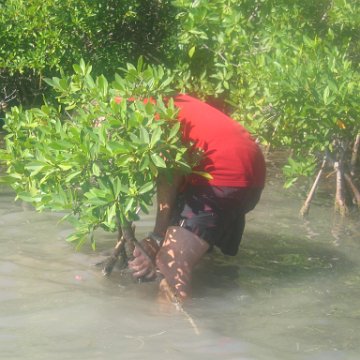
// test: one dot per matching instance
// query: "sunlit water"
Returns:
(293, 292)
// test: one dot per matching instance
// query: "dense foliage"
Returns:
(290, 71)
(95, 154)
(38, 38)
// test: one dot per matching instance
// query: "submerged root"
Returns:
(340, 203)
(355, 191)
(118, 252)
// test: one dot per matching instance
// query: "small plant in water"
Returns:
(97, 152)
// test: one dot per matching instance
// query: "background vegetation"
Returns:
(289, 71)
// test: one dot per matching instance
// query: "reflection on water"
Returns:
(291, 293)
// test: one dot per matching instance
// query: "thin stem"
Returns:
(353, 188)
(305, 208)
(129, 236)
(118, 249)
(354, 155)
(340, 203)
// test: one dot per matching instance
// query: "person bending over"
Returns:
(195, 213)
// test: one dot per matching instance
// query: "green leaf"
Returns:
(111, 214)
(146, 188)
(156, 136)
(191, 52)
(119, 187)
(97, 201)
(204, 174)
(135, 139)
(54, 82)
(158, 160)
(61, 145)
(63, 84)
(140, 64)
(96, 170)
(28, 197)
(35, 167)
(65, 167)
(7, 179)
(117, 148)
(174, 130)
(103, 85)
(145, 161)
(129, 205)
(72, 176)
(90, 81)
(149, 108)
(82, 66)
(144, 135)
(326, 95)
(77, 69)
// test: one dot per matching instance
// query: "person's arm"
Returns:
(166, 198)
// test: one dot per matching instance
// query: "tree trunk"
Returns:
(305, 208)
(355, 191)
(118, 250)
(340, 203)
(354, 155)
(132, 242)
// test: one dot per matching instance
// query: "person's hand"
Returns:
(143, 264)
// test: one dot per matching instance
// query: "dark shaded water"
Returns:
(293, 292)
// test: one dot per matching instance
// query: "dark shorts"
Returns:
(216, 214)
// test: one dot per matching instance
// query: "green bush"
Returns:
(38, 38)
(289, 70)
(95, 154)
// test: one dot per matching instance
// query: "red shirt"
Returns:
(231, 156)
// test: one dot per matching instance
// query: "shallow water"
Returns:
(292, 292)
